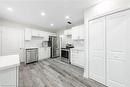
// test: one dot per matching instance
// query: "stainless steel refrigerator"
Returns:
(53, 44)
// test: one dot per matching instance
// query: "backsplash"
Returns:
(76, 43)
(36, 42)
(79, 44)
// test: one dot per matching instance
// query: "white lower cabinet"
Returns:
(74, 57)
(78, 57)
(9, 77)
(109, 49)
(44, 53)
(41, 53)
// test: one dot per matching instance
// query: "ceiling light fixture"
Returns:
(10, 9)
(52, 24)
(42, 13)
(67, 17)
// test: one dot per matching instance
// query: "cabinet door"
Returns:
(37, 33)
(97, 50)
(8, 78)
(118, 26)
(66, 32)
(46, 36)
(82, 32)
(41, 33)
(81, 58)
(34, 32)
(41, 53)
(74, 58)
(74, 34)
(12, 40)
(28, 34)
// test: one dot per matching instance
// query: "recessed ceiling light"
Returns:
(10, 9)
(67, 17)
(42, 13)
(52, 24)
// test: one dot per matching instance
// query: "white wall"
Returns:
(35, 42)
(63, 43)
(4, 24)
(101, 8)
(22, 25)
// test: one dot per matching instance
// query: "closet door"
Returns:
(97, 50)
(117, 49)
(0, 40)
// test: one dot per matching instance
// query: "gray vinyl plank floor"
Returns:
(53, 73)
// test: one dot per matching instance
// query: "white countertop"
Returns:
(9, 61)
(35, 47)
(30, 47)
(82, 49)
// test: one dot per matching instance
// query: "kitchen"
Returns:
(64, 43)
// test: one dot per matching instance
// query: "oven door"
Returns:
(65, 54)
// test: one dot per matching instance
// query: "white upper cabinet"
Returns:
(74, 33)
(37, 33)
(78, 32)
(46, 36)
(68, 32)
(81, 32)
(28, 34)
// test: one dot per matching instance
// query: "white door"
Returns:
(0, 41)
(118, 26)
(12, 40)
(97, 50)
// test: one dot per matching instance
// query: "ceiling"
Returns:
(29, 12)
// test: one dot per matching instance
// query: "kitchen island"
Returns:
(9, 67)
